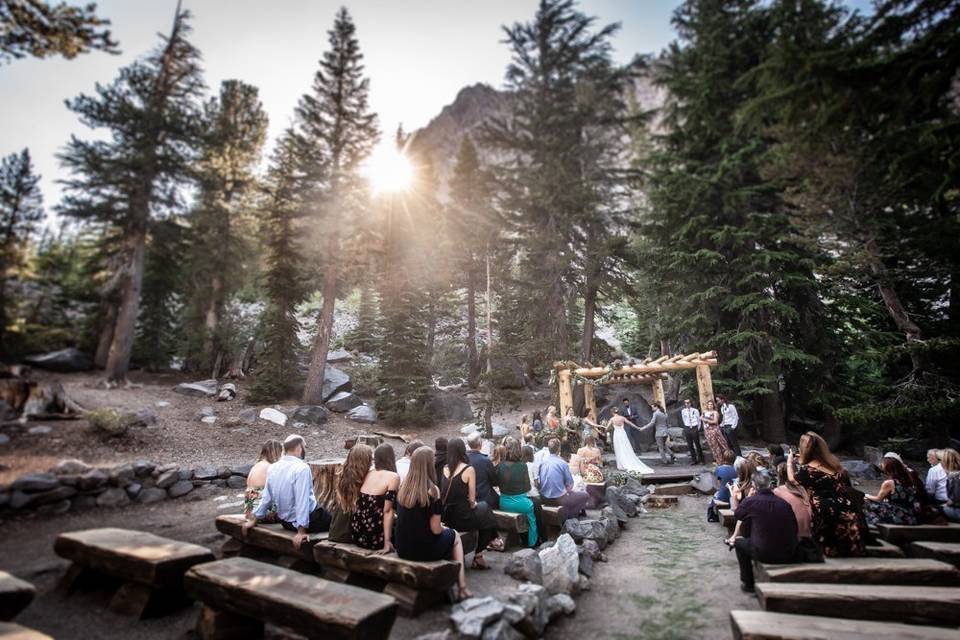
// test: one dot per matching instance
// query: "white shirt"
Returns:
(403, 467)
(730, 416)
(290, 486)
(691, 416)
(937, 482)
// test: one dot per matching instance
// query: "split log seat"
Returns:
(149, 567)
(15, 595)
(720, 504)
(766, 625)
(668, 478)
(884, 549)
(727, 519)
(902, 534)
(658, 501)
(673, 489)
(239, 595)
(905, 571)
(512, 526)
(942, 551)
(12, 631)
(267, 541)
(916, 605)
(415, 585)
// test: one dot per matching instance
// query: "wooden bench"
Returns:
(668, 478)
(12, 631)
(415, 585)
(883, 549)
(673, 489)
(513, 527)
(917, 605)
(766, 625)
(267, 542)
(902, 534)
(727, 519)
(240, 594)
(15, 595)
(862, 571)
(149, 567)
(942, 551)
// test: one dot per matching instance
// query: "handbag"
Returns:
(809, 551)
(340, 527)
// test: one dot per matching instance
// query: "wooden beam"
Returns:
(663, 364)
(903, 533)
(943, 551)
(589, 401)
(658, 395)
(863, 571)
(704, 385)
(766, 625)
(566, 391)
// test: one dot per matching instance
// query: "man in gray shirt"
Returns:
(659, 422)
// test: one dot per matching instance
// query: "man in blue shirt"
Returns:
(556, 484)
(289, 485)
(726, 473)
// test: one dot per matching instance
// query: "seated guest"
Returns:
(524, 426)
(936, 484)
(355, 469)
(796, 496)
(536, 424)
(556, 484)
(770, 529)
(533, 471)
(372, 494)
(759, 462)
(499, 454)
(591, 461)
(486, 473)
(897, 501)
(289, 485)
(836, 523)
(740, 489)
(461, 508)
(420, 535)
(950, 460)
(514, 482)
(404, 463)
(384, 459)
(439, 455)
(270, 452)
(775, 456)
(725, 474)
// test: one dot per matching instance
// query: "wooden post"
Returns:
(658, 393)
(704, 385)
(566, 391)
(588, 400)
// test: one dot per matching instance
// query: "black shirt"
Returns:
(773, 527)
(486, 474)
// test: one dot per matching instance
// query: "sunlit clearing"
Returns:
(388, 169)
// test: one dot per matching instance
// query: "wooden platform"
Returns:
(150, 567)
(766, 625)
(415, 585)
(11, 631)
(270, 538)
(917, 605)
(240, 594)
(942, 551)
(15, 595)
(905, 571)
(903, 534)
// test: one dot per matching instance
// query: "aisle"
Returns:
(669, 577)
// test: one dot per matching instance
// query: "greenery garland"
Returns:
(579, 379)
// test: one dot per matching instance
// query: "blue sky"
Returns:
(419, 53)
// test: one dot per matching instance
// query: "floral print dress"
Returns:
(366, 523)
(902, 506)
(836, 521)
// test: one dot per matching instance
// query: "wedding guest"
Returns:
(936, 484)
(270, 452)
(537, 422)
(897, 501)
(514, 482)
(486, 473)
(403, 464)
(712, 433)
(524, 426)
(775, 456)
(440, 455)
(591, 461)
(772, 529)
(729, 421)
(798, 499)
(369, 496)
(950, 459)
(384, 459)
(462, 509)
(556, 484)
(690, 416)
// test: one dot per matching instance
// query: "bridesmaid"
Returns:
(712, 433)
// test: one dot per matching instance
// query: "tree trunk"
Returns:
(488, 409)
(895, 307)
(774, 420)
(473, 363)
(211, 347)
(589, 311)
(121, 345)
(3, 307)
(106, 336)
(313, 389)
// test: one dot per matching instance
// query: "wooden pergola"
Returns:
(648, 371)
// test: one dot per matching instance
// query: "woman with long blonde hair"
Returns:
(420, 535)
(270, 452)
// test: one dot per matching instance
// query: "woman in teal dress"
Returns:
(514, 484)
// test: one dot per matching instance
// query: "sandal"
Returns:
(496, 544)
(479, 564)
(463, 593)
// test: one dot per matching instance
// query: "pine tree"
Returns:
(336, 132)
(21, 210)
(159, 322)
(278, 361)
(151, 113)
(235, 131)
(365, 336)
(35, 28)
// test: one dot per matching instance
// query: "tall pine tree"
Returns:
(39, 29)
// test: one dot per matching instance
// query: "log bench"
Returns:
(239, 595)
(883, 549)
(942, 551)
(673, 489)
(906, 571)
(916, 605)
(12, 631)
(766, 625)
(727, 519)
(902, 534)
(552, 521)
(268, 542)
(513, 527)
(415, 585)
(15, 595)
(668, 478)
(150, 568)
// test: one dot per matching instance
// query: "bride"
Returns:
(627, 460)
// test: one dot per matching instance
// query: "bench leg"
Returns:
(412, 601)
(231, 548)
(78, 577)
(223, 625)
(140, 601)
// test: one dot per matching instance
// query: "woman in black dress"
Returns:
(836, 522)
(369, 495)
(420, 535)
(460, 508)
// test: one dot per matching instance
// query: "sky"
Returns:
(418, 55)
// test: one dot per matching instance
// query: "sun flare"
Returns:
(388, 169)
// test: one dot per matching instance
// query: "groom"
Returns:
(630, 413)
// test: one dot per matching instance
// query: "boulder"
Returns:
(20, 500)
(143, 468)
(499, 430)
(71, 468)
(206, 473)
(111, 422)
(39, 430)
(92, 480)
(145, 418)
(468, 618)
(525, 565)
(705, 483)
(560, 566)
(149, 496)
(532, 598)
(502, 629)
(227, 392)
(449, 406)
(237, 482)
(310, 414)
(35, 483)
(4, 499)
(4, 439)
(7, 412)
(181, 488)
(81, 503)
(209, 420)
(339, 355)
(334, 380)
(133, 490)
(54, 508)
(586, 529)
(168, 478)
(860, 469)
(871, 455)
(185, 474)
(247, 416)
(206, 412)
(274, 416)
(634, 487)
(200, 389)
(113, 498)
(363, 413)
(122, 475)
(558, 604)
(343, 401)
(64, 361)
(241, 470)
(592, 549)
(54, 495)
(223, 472)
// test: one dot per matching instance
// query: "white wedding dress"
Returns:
(627, 460)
